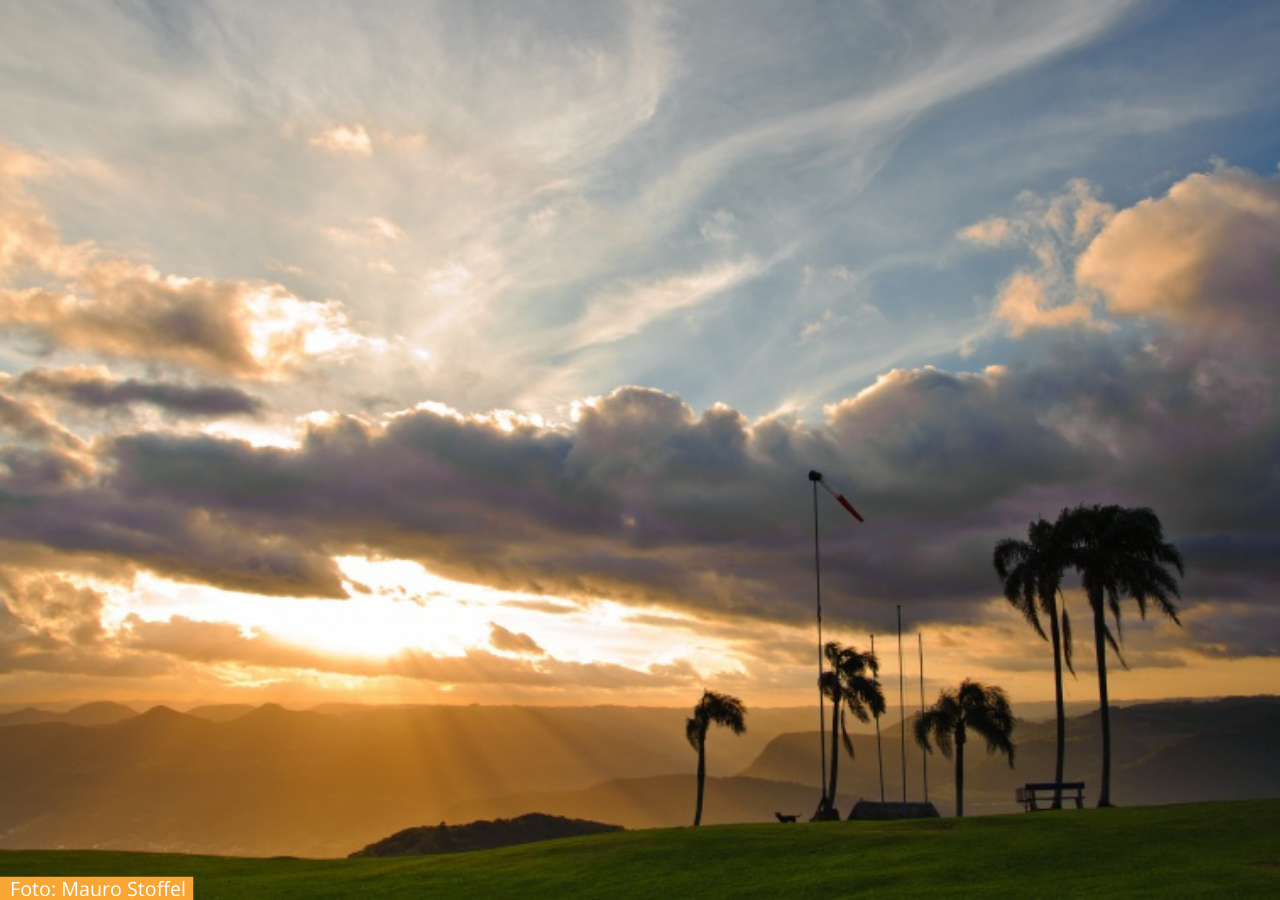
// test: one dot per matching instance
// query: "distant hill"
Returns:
(221, 712)
(101, 713)
(485, 835)
(1170, 752)
(273, 781)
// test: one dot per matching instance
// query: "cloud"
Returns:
(50, 625)
(641, 499)
(618, 314)
(1205, 254)
(84, 299)
(1053, 230)
(511, 642)
(93, 387)
(197, 641)
(344, 140)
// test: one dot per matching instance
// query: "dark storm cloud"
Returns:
(95, 389)
(642, 501)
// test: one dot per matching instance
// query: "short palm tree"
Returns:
(1120, 553)
(977, 707)
(720, 709)
(852, 684)
(1031, 573)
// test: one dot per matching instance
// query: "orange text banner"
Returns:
(149, 886)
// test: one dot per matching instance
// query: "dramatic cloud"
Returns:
(50, 625)
(1207, 254)
(513, 335)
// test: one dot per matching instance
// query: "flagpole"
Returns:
(902, 705)
(879, 752)
(924, 757)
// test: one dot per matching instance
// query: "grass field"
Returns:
(1185, 851)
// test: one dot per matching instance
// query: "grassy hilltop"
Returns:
(1189, 850)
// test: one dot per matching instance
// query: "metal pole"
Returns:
(902, 705)
(924, 757)
(879, 753)
(815, 477)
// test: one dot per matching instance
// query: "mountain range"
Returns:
(269, 781)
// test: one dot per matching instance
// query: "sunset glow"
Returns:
(487, 363)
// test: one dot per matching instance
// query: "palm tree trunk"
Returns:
(960, 738)
(1055, 635)
(835, 757)
(702, 778)
(1100, 648)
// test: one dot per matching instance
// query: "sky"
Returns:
(480, 352)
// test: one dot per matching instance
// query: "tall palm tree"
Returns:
(1120, 553)
(721, 709)
(852, 684)
(1031, 573)
(974, 706)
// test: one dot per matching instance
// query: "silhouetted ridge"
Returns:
(484, 835)
(99, 713)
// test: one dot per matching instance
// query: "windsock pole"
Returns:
(924, 757)
(826, 803)
(817, 582)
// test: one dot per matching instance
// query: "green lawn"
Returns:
(1184, 851)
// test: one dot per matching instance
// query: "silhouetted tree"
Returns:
(721, 709)
(977, 707)
(1031, 573)
(1120, 553)
(851, 684)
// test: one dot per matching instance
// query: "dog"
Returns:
(782, 818)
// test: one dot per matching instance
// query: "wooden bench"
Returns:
(1039, 795)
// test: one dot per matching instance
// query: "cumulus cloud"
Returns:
(1206, 254)
(644, 500)
(51, 625)
(1053, 230)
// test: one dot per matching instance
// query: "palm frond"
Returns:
(1066, 641)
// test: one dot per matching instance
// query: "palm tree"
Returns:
(721, 709)
(1031, 573)
(849, 686)
(974, 706)
(1120, 553)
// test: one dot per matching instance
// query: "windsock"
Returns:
(817, 476)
